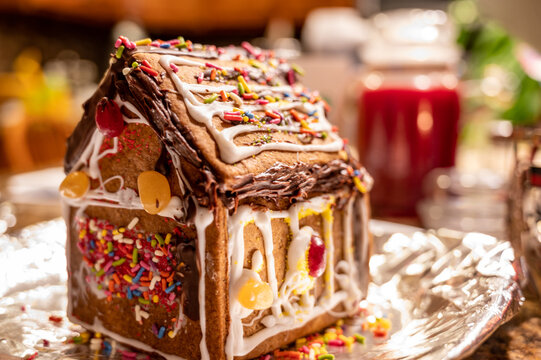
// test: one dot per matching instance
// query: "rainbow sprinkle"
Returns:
(174, 67)
(127, 264)
(333, 340)
(119, 51)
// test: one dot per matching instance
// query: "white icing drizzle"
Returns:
(293, 295)
(257, 261)
(229, 151)
(257, 264)
(174, 209)
(203, 218)
(297, 280)
(124, 198)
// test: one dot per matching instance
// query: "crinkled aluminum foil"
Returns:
(445, 293)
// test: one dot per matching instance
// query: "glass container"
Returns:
(408, 106)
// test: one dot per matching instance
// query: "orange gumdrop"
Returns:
(75, 185)
(154, 191)
(255, 295)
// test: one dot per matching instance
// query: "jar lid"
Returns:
(411, 37)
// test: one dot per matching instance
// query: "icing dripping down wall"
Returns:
(292, 304)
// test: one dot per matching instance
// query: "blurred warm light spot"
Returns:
(29, 61)
(373, 81)
(491, 86)
(429, 34)
(443, 181)
(449, 81)
(421, 82)
(425, 121)
(502, 128)
(464, 11)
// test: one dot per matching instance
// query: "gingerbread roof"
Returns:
(238, 116)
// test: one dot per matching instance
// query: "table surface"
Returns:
(519, 339)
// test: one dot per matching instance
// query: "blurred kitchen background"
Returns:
(440, 98)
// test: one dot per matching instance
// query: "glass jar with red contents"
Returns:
(408, 106)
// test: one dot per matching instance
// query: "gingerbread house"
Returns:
(212, 210)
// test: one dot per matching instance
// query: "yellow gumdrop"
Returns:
(255, 295)
(154, 191)
(385, 323)
(75, 185)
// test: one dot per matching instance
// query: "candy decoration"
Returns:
(359, 184)
(233, 116)
(211, 99)
(249, 48)
(119, 51)
(143, 42)
(244, 84)
(316, 256)
(75, 185)
(149, 70)
(154, 191)
(291, 77)
(255, 295)
(297, 69)
(109, 118)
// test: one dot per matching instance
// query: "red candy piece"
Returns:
(56, 319)
(316, 256)
(109, 118)
(379, 332)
